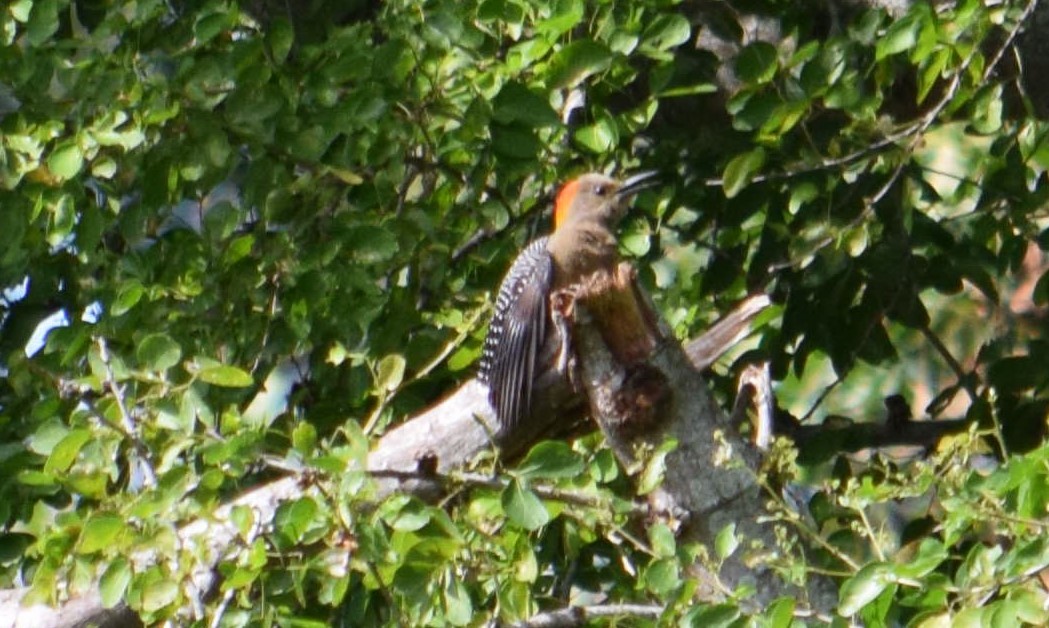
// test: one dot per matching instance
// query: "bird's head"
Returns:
(596, 195)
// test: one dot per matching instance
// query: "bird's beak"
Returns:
(634, 184)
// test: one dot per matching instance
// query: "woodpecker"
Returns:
(586, 212)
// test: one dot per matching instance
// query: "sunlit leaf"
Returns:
(551, 459)
(65, 161)
(227, 376)
(100, 531)
(523, 507)
(741, 169)
(862, 588)
(158, 351)
(390, 372)
(576, 61)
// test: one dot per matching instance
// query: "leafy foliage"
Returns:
(221, 200)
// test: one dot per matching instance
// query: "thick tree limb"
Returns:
(817, 442)
(642, 399)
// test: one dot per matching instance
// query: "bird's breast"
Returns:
(580, 251)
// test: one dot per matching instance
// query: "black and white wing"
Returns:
(512, 348)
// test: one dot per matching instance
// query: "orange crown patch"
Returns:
(564, 202)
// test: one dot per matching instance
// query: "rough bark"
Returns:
(646, 393)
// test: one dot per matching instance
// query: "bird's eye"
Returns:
(600, 189)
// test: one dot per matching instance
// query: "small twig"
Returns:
(115, 388)
(127, 423)
(959, 370)
(478, 480)
(869, 531)
(827, 164)
(819, 400)
(993, 64)
(483, 235)
(275, 279)
(447, 349)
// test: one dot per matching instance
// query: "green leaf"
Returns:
(129, 295)
(159, 594)
(243, 518)
(863, 588)
(637, 243)
(43, 22)
(37, 478)
(931, 553)
(551, 459)
(523, 507)
(715, 616)
(802, 194)
(114, 582)
(662, 540)
(65, 161)
(566, 15)
(227, 376)
(406, 514)
(987, 110)
(663, 576)
(369, 244)
(491, 10)
(458, 608)
(304, 437)
(515, 141)
(600, 137)
(757, 63)
(100, 532)
(655, 469)
(604, 468)
(294, 519)
(726, 542)
(47, 436)
(65, 452)
(158, 352)
(517, 103)
(280, 35)
(390, 372)
(575, 62)
(899, 37)
(667, 31)
(741, 170)
(20, 10)
(780, 614)
(210, 25)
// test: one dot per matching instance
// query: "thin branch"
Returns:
(269, 322)
(952, 362)
(827, 164)
(128, 424)
(478, 480)
(822, 396)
